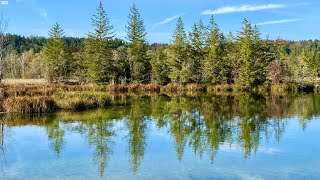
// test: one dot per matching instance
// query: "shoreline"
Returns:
(47, 98)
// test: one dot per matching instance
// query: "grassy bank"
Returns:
(43, 98)
(60, 100)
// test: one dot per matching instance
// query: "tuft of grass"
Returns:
(172, 87)
(82, 100)
(27, 104)
(152, 88)
(135, 87)
(24, 81)
(223, 88)
(195, 87)
(117, 88)
(279, 89)
(29, 90)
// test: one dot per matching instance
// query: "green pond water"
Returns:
(168, 137)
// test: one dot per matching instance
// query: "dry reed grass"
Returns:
(81, 100)
(27, 104)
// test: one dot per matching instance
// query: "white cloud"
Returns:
(34, 6)
(43, 13)
(227, 147)
(277, 22)
(169, 19)
(242, 8)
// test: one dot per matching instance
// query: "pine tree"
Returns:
(251, 56)
(303, 68)
(55, 55)
(231, 59)
(215, 68)
(196, 53)
(136, 35)
(313, 62)
(177, 55)
(98, 49)
(159, 67)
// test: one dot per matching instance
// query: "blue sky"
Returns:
(288, 19)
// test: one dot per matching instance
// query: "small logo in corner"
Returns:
(4, 2)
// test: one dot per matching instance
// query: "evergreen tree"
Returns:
(278, 68)
(313, 62)
(177, 53)
(300, 66)
(98, 49)
(136, 35)
(317, 63)
(231, 59)
(252, 64)
(55, 56)
(196, 53)
(121, 64)
(215, 67)
(159, 67)
(80, 68)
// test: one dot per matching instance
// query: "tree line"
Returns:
(203, 55)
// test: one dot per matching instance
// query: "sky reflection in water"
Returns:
(161, 137)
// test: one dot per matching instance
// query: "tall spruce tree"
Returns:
(215, 68)
(196, 53)
(55, 55)
(136, 35)
(177, 53)
(98, 49)
(251, 56)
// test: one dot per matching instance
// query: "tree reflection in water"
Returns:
(202, 123)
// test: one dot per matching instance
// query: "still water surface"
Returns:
(162, 137)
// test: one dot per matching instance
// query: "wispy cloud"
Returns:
(35, 8)
(277, 22)
(227, 147)
(242, 8)
(43, 13)
(167, 20)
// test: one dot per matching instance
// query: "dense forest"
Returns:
(203, 55)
